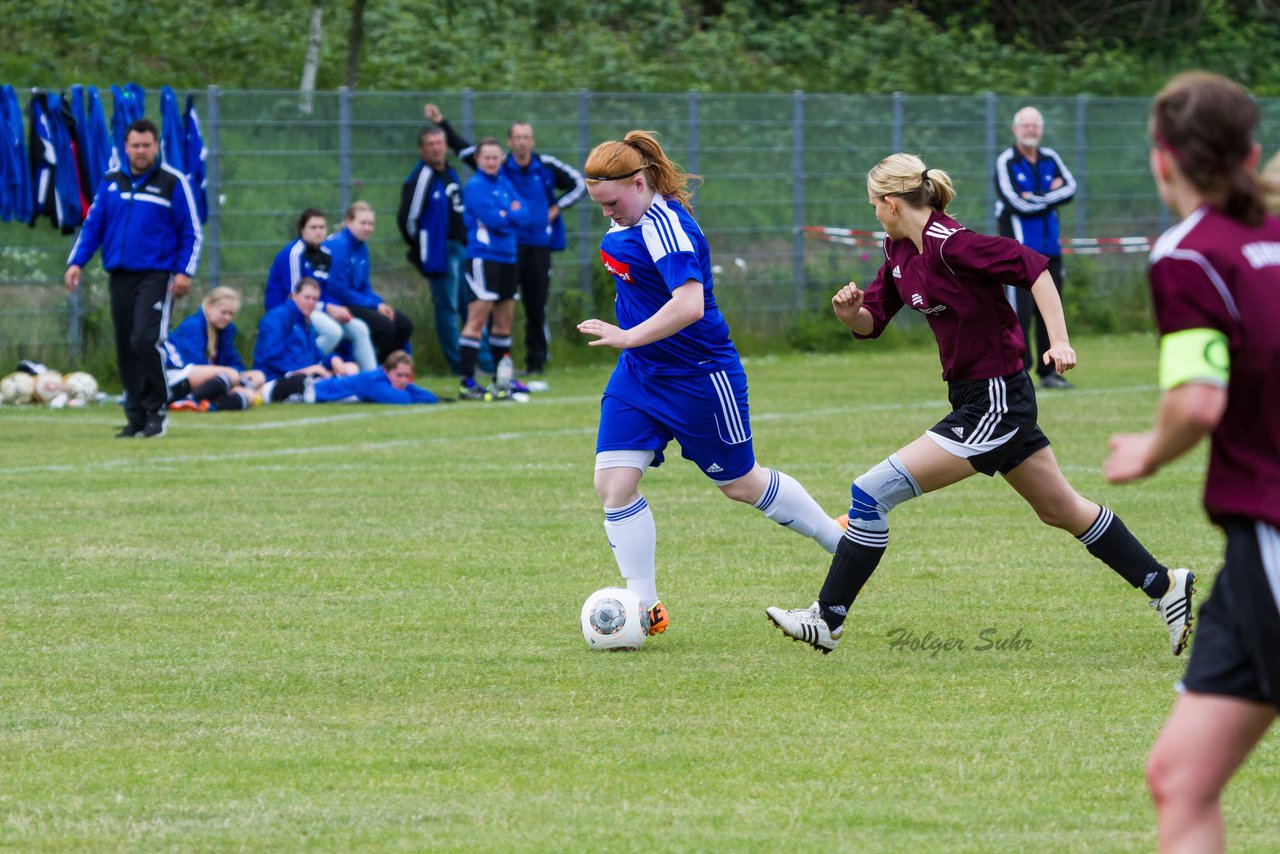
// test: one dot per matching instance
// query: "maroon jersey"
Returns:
(1213, 272)
(957, 282)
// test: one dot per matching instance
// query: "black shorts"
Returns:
(491, 281)
(992, 423)
(1237, 643)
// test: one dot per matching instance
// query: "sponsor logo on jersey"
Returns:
(897, 271)
(714, 468)
(937, 309)
(616, 268)
(917, 300)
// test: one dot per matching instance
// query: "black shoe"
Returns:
(157, 426)
(1055, 381)
(129, 431)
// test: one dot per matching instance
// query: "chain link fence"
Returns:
(778, 169)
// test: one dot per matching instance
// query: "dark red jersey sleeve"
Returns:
(883, 301)
(1184, 297)
(997, 259)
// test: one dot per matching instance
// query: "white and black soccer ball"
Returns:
(80, 386)
(17, 388)
(48, 386)
(612, 618)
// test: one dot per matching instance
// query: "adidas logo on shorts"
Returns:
(714, 468)
(959, 431)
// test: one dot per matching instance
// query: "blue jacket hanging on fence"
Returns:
(172, 134)
(76, 121)
(95, 138)
(142, 223)
(188, 344)
(127, 106)
(194, 155)
(15, 174)
(54, 179)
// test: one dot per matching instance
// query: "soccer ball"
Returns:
(48, 386)
(80, 386)
(613, 619)
(17, 388)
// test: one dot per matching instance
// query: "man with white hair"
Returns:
(1031, 181)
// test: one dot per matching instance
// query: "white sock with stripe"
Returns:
(633, 538)
(786, 502)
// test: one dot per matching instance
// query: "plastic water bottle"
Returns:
(504, 373)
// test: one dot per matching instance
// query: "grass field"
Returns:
(355, 628)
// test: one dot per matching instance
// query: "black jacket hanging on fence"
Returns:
(55, 180)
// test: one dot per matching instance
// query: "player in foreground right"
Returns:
(1215, 284)
(955, 278)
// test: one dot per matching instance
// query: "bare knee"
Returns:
(1180, 785)
(747, 488)
(1069, 512)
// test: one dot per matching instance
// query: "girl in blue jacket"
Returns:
(202, 365)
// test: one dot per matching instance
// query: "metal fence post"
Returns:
(1082, 162)
(344, 147)
(797, 196)
(991, 163)
(468, 114)
(898, 103)
(213, 186)
(75, 325)
(691, 162)
(584, 211)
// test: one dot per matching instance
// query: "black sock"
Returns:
(851, 566)
(468, 352)
(229, 402)
(214, 388)
(180, 389)
(1110, 542)
(292, 386)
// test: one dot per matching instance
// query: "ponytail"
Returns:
(639, 151)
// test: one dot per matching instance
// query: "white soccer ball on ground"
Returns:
(80, 386)
(48, 386)
(17, 388)
(612, 618)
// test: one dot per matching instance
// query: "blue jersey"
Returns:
(188, 344)
(369, 387)
(491, 222)
(648, 261)
(292, 264)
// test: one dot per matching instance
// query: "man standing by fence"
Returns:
(144, 219)
(1031, 182)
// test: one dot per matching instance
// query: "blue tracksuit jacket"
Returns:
(491, 224)
(286, 342)
(1032, 221)
(348, 282)
(369, 387)
(188, 344)
(146, 222)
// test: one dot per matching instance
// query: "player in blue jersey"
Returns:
(678, 375)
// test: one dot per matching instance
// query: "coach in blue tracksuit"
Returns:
(144, 219)
(430, 221)
(1031, 182)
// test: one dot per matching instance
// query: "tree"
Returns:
(353, 42)
(311, 64)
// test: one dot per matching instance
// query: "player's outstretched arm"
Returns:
(685, 307)
(1188, 413)
(1059, 354)
(847, 304)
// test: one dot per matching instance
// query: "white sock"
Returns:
(786, 502)
(632, 536)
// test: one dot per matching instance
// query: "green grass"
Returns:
(356, 629)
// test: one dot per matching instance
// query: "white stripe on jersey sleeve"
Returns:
(662, 231)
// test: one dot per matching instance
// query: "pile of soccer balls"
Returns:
(34, 383)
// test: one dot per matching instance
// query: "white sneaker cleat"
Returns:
(806, 625)
(1175, 607)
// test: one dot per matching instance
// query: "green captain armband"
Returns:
(1193, 355)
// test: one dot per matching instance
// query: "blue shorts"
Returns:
(706, 413)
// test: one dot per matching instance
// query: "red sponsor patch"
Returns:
(616, 267)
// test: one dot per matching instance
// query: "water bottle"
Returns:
(504, 373)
